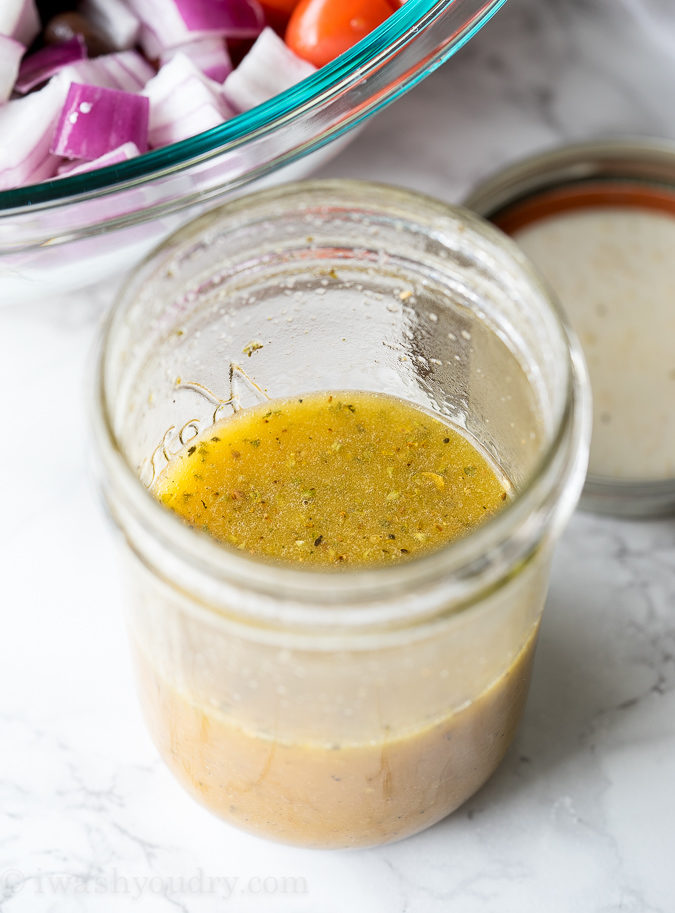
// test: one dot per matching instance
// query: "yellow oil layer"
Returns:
(332, 479)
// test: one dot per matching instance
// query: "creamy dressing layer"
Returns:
(614, 272)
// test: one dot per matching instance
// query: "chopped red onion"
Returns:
(168, 23)
(11, 52)
(26, 130)
(183, 102)
(19, 20)
(122, 154)
(38, 67)
(234, 18)
(210, 55)
(114, 20)
(125, 70)
(269, 68)
(195, 121)
(95, 120)
(150, 42)
(106, 110)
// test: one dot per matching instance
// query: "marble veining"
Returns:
(581, 815)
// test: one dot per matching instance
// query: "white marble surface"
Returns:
(581, 815)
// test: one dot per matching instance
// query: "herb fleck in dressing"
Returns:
(333, 480)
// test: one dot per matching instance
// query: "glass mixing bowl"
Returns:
(67, 233)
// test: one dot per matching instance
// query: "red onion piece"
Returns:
(210, 55)
(125, 70)
(169, 23)
(95, 120)
(11, 52)
(40, 66)
(118, 24)
(193, 122)
(234, 18)
(150, 43)
(26, 130)
(183, 102)
(269, 68)
(19, 20)
(122, 154)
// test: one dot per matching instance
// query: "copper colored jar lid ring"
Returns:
(596, 195)
(631, 164)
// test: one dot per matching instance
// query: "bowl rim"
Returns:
(328, 82)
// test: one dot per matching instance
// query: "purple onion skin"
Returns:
(244, 16)
(38, 67)
(95, 120)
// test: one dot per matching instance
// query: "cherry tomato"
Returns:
(320, 30)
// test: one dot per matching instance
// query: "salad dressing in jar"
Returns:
(334, 480)
(327, 685)
(614, 270)
(598, 220)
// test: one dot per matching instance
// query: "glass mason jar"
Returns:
(354, 707)
(630, 360)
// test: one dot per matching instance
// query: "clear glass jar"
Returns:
(630, 358)
(356, 707)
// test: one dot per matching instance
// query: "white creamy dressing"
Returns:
(613, 270)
